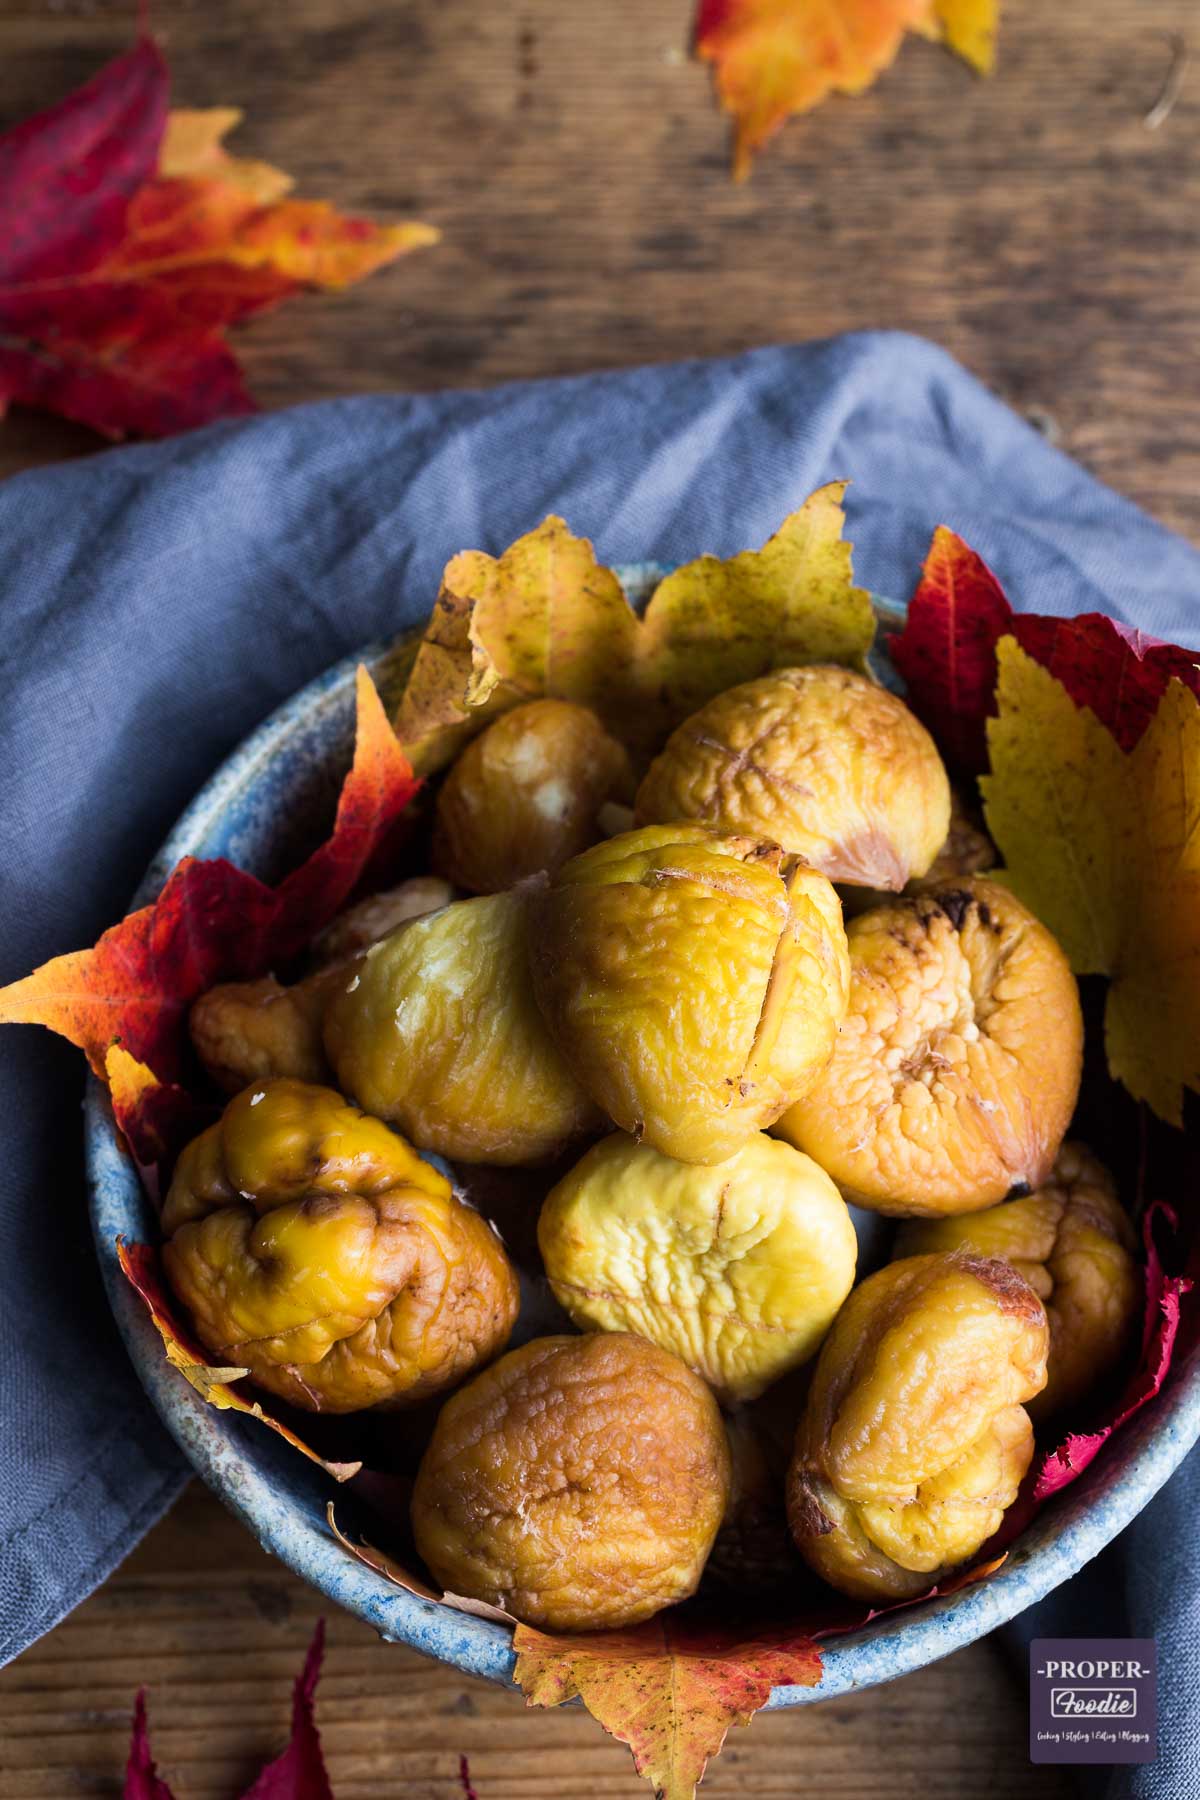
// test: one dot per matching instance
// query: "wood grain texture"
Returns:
(574, 160)
(217, 1632)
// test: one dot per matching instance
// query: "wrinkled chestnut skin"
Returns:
(821, 760)
(738, 1269)
(247, 1031)
(437, 1032)
(1074, 1244)
(957, 1067)
(915, 1437)
(525, 794)
(578, 1483)
(694, 983)
(313, 1246)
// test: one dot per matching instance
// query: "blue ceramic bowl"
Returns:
(287, 768)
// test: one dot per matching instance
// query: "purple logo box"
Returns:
(1093, 1700)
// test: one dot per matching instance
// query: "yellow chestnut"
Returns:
(438, 1032)
(915, 1436)
(524, 795)
(1074, 1244)
(314, 1247)
(957, 1067)
(578, 1483)
(738, 1268)
(694, 983)
(821, 759)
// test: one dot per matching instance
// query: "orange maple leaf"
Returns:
(670, 1689)
(773, 58)
(194, 144)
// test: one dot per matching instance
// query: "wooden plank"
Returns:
(217, 1630)
(572, 156)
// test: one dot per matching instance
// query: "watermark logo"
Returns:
(1093, 1700)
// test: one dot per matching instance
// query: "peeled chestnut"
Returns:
(957, 1066)
(819, 759)
(314, 1247)
(438, 1032)
(739, 1269)
(578, 1483)
(968, 850)
(524, 795)
(376, 917)
(753, 1552)
(1074, 1244)
(694, 983)
(915, 1436)
(246, 1031)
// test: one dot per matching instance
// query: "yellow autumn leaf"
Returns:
(1105, 847)
(773, 58)
(968, 27)
(1152, 1023)
(543, 618)
(712, 624)
(546, 618)
(1049, 803)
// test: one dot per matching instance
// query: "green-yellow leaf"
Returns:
(1152, 1023)
(1049, 799)
(968, 27)
(546, 618)
(712, 624)
(1105, 847)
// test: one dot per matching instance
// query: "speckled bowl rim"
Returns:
(282, 1499)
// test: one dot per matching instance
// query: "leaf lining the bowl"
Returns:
(946, 654)
(399, 1576)
(142, 1268)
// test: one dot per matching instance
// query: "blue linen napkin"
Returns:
(158, 600)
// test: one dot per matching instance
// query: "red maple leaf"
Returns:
(947, 649)
(298, 1773)
(118, 279)
(1164, 1299)
(947, 656)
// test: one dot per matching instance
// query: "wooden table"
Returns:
(217, 1632)
(1034, 225)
